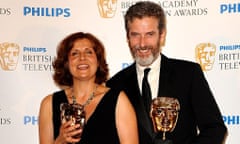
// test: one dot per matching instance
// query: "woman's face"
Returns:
(83, 60)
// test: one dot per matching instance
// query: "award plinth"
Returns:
(160, 141)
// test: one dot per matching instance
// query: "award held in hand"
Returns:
(164, 115)
(73, 112)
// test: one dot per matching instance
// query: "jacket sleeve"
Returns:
(212, 129)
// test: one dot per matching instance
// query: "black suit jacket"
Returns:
(185, 81)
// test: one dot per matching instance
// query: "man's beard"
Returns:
(144, 61)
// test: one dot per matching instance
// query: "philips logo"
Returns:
(229, 47)
(34, 49)
(45, 11)
(30, 120)
(230, 8)
(231, 119)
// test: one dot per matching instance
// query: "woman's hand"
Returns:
(68, 132)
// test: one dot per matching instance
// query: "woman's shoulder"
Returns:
(47, 100)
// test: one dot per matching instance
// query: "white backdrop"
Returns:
(34, 28)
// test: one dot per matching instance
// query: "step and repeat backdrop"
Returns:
(31, 30)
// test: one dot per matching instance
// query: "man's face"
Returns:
(107, 8)
(144, 40)
(10, 57)
(207, 57)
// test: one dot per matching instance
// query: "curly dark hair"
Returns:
(62, 75)
(145, 9)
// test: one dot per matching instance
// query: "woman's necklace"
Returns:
(92, 95)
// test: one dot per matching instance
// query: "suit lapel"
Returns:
(136, 98)
(165, 77)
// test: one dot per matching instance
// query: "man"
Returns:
(200, 120)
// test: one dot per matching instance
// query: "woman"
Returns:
(81, 71)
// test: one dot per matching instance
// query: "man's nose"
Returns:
(142, 41)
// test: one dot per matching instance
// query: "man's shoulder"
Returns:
(179, 65)
(181, 62)
(126, 71)
(123, 75)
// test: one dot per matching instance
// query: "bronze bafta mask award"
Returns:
(73, 112)
(164, 115)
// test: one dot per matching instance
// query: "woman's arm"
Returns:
(66, 131)
(45, 121)
(126, 121)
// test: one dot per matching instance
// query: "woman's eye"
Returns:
(74, 53)
(89, 52)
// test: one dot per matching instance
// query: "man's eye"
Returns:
(150, 34)
(134, 34)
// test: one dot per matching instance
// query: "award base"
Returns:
(160, 141)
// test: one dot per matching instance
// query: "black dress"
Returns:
(100, 127)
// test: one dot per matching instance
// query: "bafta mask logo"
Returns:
(107, 8)
(9, 53)
(164, 114)
(205, 55)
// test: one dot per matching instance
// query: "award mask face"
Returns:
(9, 53)
(205, 55)
(74, 113)
(107, 8)
(164, 113)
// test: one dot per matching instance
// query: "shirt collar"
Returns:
(154, 66)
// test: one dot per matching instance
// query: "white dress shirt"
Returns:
(153, 76)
